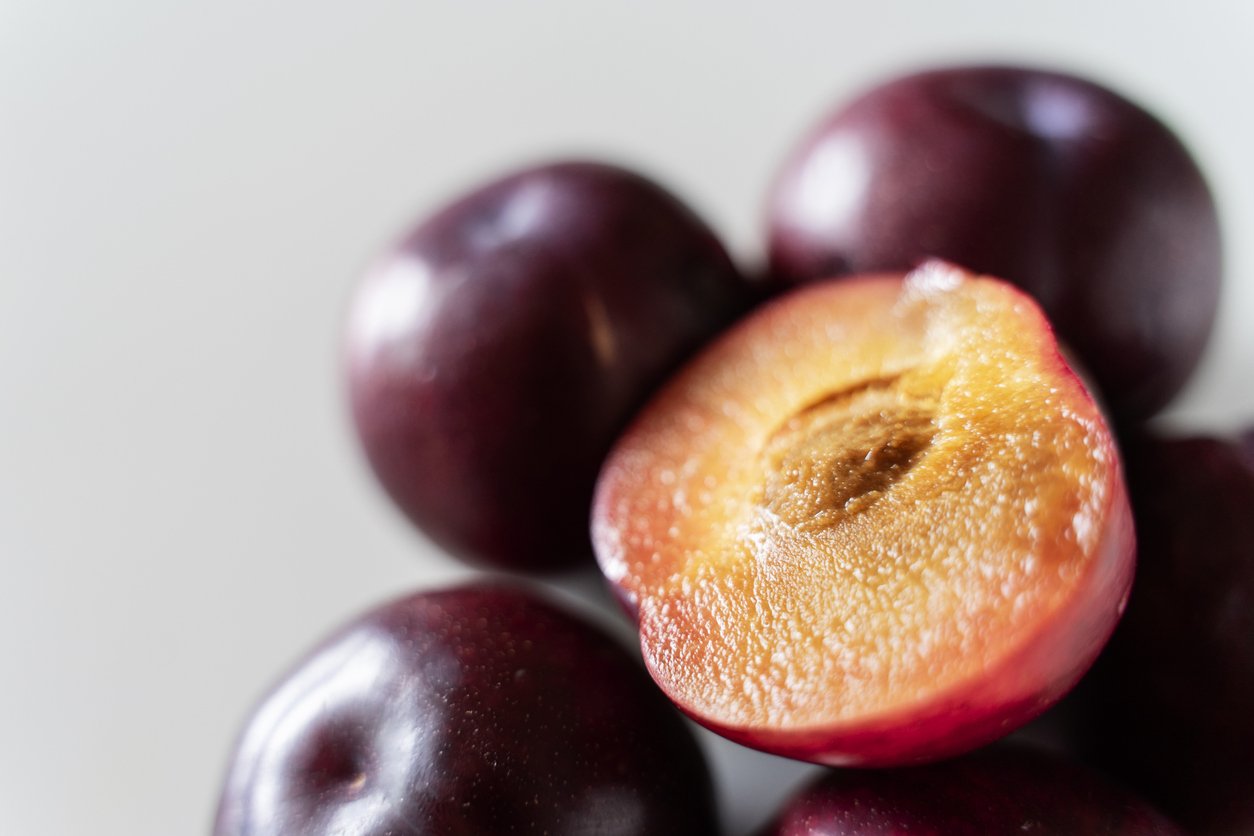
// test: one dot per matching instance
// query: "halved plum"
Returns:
(880, 521)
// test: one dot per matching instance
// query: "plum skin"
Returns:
(476, 710)
(1003, 789)
(1052, 182)
(496, 351)
(1167, 706)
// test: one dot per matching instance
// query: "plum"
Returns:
(879, 521)
(1001, 790)
(495, 352)
(1051, 182)
(1168, 704)
(476, 710)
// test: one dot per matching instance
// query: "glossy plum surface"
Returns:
(1054, 183)
(1004, 790)
(1168, 706)
(478, 710)
(495, 352)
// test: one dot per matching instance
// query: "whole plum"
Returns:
(496, 351)
(1001, 790)
(478, 710)
(1052, 182)
(1167, 707)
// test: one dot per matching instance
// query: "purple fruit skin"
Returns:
(1169, 706)
(1002, 790)
(1051, 182)
(478, 710)
(496, 352)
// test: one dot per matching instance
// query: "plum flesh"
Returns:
(880, 521)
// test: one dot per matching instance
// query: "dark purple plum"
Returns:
(1002, 790)
(478, 710)
(496, 351)
(1169, 706)
(1054, 183)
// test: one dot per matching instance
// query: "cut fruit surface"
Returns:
(880, 521)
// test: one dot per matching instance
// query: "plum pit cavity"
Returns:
(841, 454)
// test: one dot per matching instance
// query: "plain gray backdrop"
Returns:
(187, 191)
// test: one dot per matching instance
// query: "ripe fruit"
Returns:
(1056, 184)
(879, 521)
(1002, 790)
(479, 710)
(496, 351)
(1168, 705)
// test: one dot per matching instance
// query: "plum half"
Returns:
(879, 521)
(1000, 790)
(496, 351)
(1049, 181)
(472, 711)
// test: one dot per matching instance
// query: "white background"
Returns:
(187, 191)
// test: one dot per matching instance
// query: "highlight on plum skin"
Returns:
(481, 709)
(998, 790)
(494, 353)
(877, 522)
(1052, 182)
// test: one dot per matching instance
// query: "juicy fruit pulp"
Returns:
(995, 791)
(1168, 705)
(495, 353)
(469, 712)
(879, 521)
(1051, 182)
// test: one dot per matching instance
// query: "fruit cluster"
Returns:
(870, 512)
